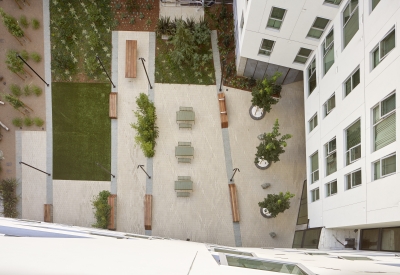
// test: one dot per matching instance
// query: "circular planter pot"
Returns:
(263, 164)
(265, 213)
(256, 113)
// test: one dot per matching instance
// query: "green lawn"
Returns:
(81, 131)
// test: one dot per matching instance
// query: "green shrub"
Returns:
(276, 203)
(28, 121)
(36, 90)
(36, 57)
(118, 6)
(102, 209)
(9, 197)
(132, 21)
(146, 128)
(17, 122)
(24, 54)
(35, 24)
(16, 90)
(38, 121)
(23, 21)
(141, 15)
(27, 90)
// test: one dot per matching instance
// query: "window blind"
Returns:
(385, 132)
(353, 135)
(351, 28)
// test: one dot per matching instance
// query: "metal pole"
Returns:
(32, 70)
(34, 168)
(98, 58)
(141, 166)
(222, 76)
(98, 164)
(141, 58)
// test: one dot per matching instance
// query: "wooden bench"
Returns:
(112, 201)
(222, 110)
(48, 213)
(234, 202)
(130, 58)
(113, 105)
(147, 211)
(184, 160)
(185, 126)
(182, 194)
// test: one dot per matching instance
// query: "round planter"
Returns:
(265, 213)
(262, 165)
(256, 113)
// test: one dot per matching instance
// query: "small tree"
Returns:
(271, 147)
(264, 91)
(102, 209)
(14, 64)
(146, 128)
(11, 24)
(9, 197)
(276, 203)
(184, 45)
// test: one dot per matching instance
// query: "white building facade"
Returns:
(350, 83)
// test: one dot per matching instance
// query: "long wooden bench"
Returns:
(222, 110)
(130, 58)
(147, 211)
(48, 213)
(234, 202)
(112, 201)
(113, 105)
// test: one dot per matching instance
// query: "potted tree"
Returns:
(274, 204)
(271, 147)
(265, 94)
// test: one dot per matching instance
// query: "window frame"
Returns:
(351, 82)
(333, 4)
(312, 27)
(328, 188)
(261, 49)
(317, 170)
(314, 194)
(326, 49)
(354, 146)
(352, 186)
(313, 71)
(298, 54)
(379, 239)
(326, 104)
(381, 118)
(378, 47)
(328, 154)
(269, 17)
(372, 7)
(345, 23)
(312, 119)
(380, 167)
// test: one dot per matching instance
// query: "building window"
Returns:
(331, 188)
(329, 105)
(266, 47)
(314, 167)
(353, 143)
(302, 56)
(350, 21)
(353, 179)
(313, 122)
(384, 119)
(333, 2)
(328, 52)
(330, 152)
(385, 167)
(374, 3)
(381, 239)
(312, 77)
(276, 18)
(351, 82)
(387, 44)
(315, 194)
(318, 27)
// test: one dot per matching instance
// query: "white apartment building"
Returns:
(351, 76)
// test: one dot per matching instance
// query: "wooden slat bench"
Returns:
(130, 58)
(234, 202)
(48, 213)
(113, 105)
(112, 201)
(222, 110)
(147, 211)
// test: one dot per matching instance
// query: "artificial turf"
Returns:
(81, 131)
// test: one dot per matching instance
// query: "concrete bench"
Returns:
(113, 105)
(130, 58)
(182, 194)
(112, 201)
(184, 160)
(222, 110)
(185, 126)
(147, 211)
(234, 202)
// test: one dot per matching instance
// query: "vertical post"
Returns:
(104, 69)
(142, 59)
(222, 76)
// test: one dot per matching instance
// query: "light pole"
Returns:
(222, 75)
(142, 59)
(101, 63)
(32, 70)
(21, 162)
